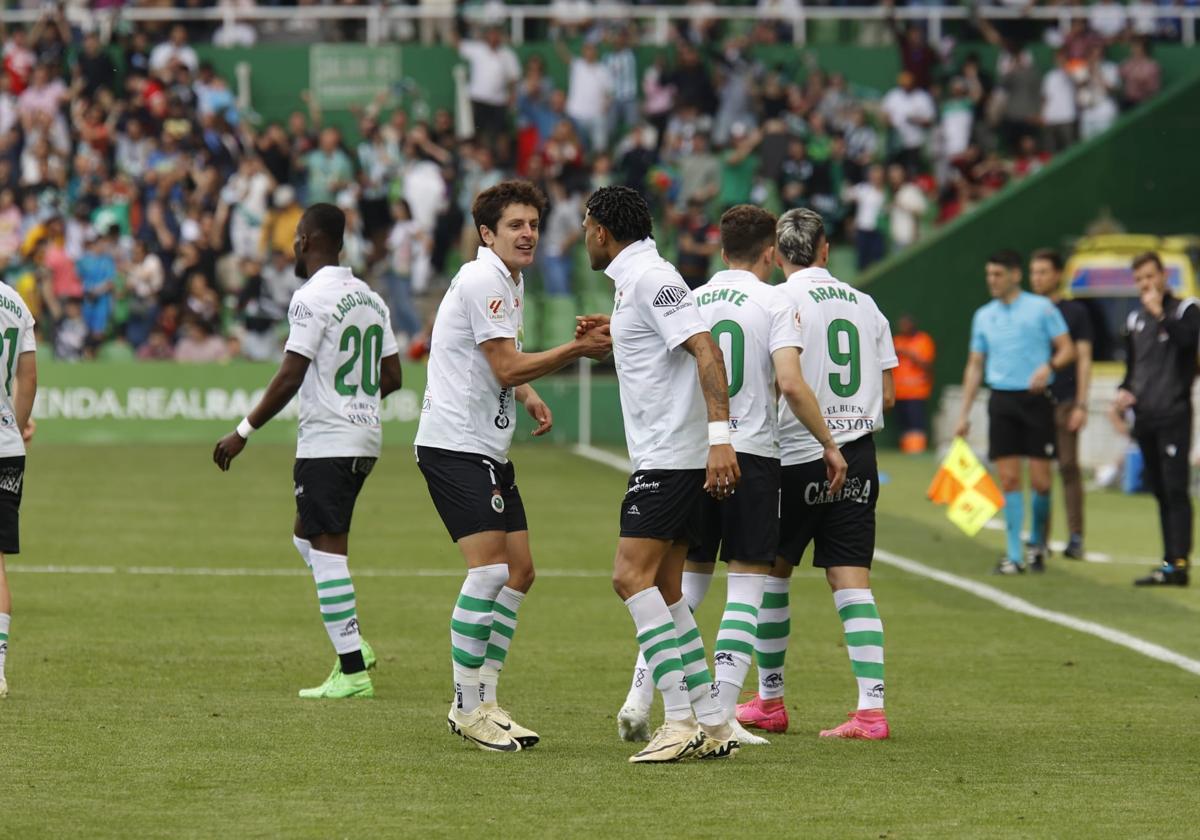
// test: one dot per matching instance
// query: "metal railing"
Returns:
(380, 19)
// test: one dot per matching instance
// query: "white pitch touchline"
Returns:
(1090, 556)
(988, 593)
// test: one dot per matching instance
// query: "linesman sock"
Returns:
(335, 595)
(1041, 516)
(504, 627)
(864, 643)
(771, 639)
(736, 637)
(5, 622)
(471, 628)
(660, 648)
(697, 677)
(1014, 521)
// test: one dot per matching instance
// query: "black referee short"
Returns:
(745, 526)
(663, 505)
(472, 493)
(1021, 425)
(326, 490)
(12, 484)
(842, 529)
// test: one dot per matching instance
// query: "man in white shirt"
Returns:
(18, 357)
(759, 332)
(849, 360)
(870, 208)
(493, 75)
(341, 357)
(1059, 114)
(589, 90)
(910, 111)
(477, 376)
(172, 50)
(906, 208)
(672, 380)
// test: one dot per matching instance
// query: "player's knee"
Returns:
(1010, 483)
(521, 579)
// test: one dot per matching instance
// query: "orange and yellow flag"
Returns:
(964, 484)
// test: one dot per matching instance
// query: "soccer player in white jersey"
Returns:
(848, 360)
(675, 404)
(18, 363)
(342, 358)
(759, 333)
(477, 375)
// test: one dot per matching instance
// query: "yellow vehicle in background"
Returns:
(1098, 274)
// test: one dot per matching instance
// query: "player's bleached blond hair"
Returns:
(799, 236)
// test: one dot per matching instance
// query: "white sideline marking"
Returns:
(209, 571)
(1089, 556)
(982, 590)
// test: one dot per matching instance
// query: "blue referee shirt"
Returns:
(1016, 338)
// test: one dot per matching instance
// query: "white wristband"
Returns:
(718, 433)
(244, 429)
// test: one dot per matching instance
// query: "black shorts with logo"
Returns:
(326, 490)
(12, 484)
(663, 505)
(1021, 424)
(842, 529)
(472, 493)
(745, 526)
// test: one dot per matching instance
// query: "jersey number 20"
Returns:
(369, 345)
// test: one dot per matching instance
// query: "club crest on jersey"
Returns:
(497, 502)
(299, 312)
(495, 308)
(670, 296)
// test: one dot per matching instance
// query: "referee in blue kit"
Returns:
(1011, 342)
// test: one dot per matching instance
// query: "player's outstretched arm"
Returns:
(803, 403)
(513, 368)
(723, 472)
(391, 376)
(26, 390)
(279, 393)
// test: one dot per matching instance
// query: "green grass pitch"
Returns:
(164, 705)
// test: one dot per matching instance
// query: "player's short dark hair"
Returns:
(1147, 257)
(1049, 255)
(1006, 257)
(623, 211)
(327, 221)
(746, 231)
(489, 205)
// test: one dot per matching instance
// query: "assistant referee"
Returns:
(1011, 342)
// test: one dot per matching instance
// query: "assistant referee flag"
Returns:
(964, 484)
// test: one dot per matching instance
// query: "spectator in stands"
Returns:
(94, 69)
(692, 81)
(97, 273)
(906, 207)
(1141, 77)
(916, 352)
(917, 57)
(492, 77)
(589, 91)
(329, 168)
(699, 240)
(200, 344)
(699, 172)
(175, 49)
(259, 314)
(739, 165)
(144, 275)
(280, 227)
(70, 332)
(910, 112)
(869, 201)
(658, 97)
(246, 196)
(408, 249)
(623, 76)
(1097, 94)
(560, 233)
(1059, 115)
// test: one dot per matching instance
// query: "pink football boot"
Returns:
(867, 724)
(768, 715)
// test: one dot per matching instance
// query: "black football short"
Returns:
(1021, 424)
(841, 529)
(326, 490)
(12, 482)
(663, 505)
(744, 526)
(472, 493)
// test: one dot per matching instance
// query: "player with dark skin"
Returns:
(314, 251)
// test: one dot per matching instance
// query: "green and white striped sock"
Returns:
(771, 640)
(504, 627)
(335, 595)
(697, 677)
(471, 628)
(864, 643)
(641, 688)
(660, 647)
(736, 638)
(5, 622)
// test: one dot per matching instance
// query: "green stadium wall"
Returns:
(1144, 174)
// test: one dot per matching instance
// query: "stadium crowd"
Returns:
(145, 213)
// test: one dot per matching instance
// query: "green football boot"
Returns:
(341, 685)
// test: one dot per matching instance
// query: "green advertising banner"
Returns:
(347, 75)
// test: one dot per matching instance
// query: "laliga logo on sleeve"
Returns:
(495, 308)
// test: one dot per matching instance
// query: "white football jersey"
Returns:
(666, 421)
(344, 329)
(16, 337)
(848, 346)
(465, 409)
(750, 320)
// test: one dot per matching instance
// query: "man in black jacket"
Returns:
(1161, 346)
